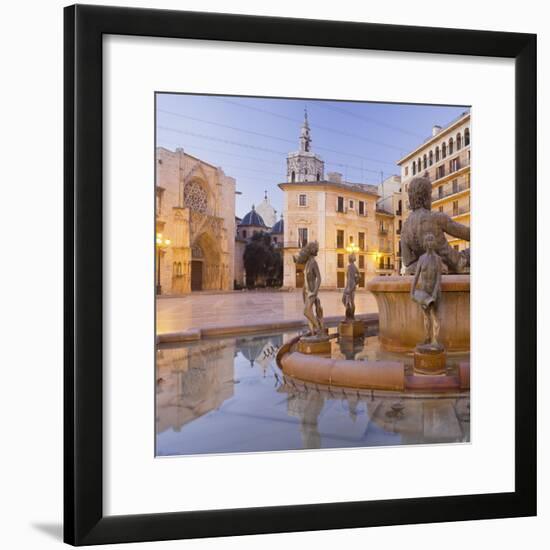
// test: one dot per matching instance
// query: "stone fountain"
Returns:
(424, 313)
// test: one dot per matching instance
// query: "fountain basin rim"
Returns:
(402, 283)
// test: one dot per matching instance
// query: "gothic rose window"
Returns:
(194, 196)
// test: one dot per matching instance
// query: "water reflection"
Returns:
(228, 395)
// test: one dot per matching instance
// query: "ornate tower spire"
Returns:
(305, 136)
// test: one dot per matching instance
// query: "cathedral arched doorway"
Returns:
(206, 268)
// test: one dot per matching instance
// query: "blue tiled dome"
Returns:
(253, 218)
(279, 227)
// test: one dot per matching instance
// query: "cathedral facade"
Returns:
(195, 224)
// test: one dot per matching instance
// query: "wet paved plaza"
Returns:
(201, 310)
(228, 395)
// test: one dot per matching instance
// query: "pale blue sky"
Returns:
(250, 137)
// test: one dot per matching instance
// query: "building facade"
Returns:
(195, 224)
(267, 212)
(389, 214)
(339, 215)
(445, 159)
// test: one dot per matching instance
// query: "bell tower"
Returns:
(304, 165)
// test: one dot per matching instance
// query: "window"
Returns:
(441, 209)
(361, 262)
(318, 176)
(351, 204)
(340, 260)
(195, 197)
(458, 141)
(305, 171)
(362, 208)
(340, 279)
(274, 239)
(419, 163)
(425, 162)
(440, 172)
(453, 165)
(302, 201)
(340, 205)
(466, 137)
(399, 208)
(455, 186)
(361, 241)
(455, 247)
(406, 170)
(443, 150)
(437, 154)
(455, 208)
(293, 176)
(302, 236)
(451, 145)
(244, 233)
(431, 158)
(440, 192)
(340, 238)
(414, 168)
(351, 239)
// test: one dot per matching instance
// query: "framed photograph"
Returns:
(300, 275)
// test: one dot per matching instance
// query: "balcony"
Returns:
(464, 186)
(385, 267)
(461, 211)
(382, 230)
(293, 244)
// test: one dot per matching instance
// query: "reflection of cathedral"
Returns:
(192, 381)
(195, 224)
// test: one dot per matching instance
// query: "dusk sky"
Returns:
(250, 137)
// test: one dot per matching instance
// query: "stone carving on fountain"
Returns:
(351, 328)
(317, 341)
(422, 221)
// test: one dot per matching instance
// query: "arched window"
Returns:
(466, 137)
(458, 141)
(293, 176)
(431, 157)
(443, 150)
(419, 163)
(437, 154)
(451, 144)
(425, 163)
(414, 168)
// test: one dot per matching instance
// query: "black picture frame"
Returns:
(84, 27)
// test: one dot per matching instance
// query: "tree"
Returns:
(262, 262)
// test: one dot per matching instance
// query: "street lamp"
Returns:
(352, 248)
(161, 244)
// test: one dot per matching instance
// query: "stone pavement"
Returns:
(205, 310)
